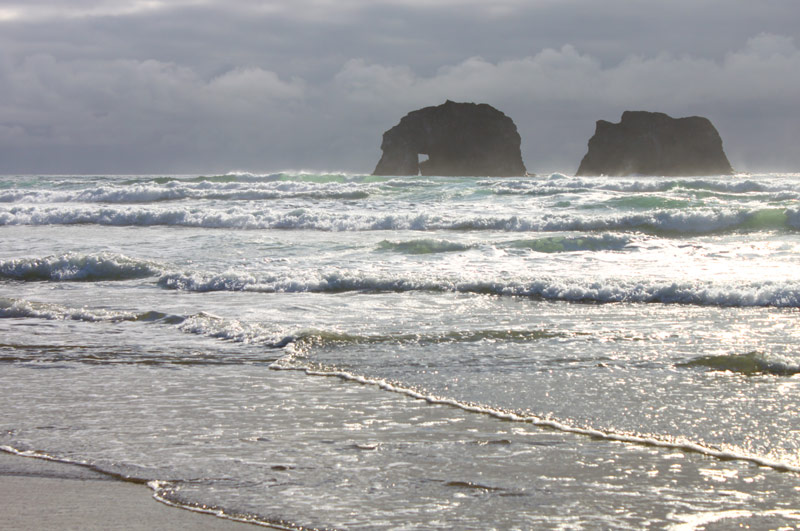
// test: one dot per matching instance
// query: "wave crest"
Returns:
(424, 246)
(561, 244)
(764, 294)
(202, 323)
(560, 184)
(143, 193)
(749, 364)
(78, 267)
(663, 222)
(16, 308)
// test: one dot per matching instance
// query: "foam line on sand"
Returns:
(47, 495)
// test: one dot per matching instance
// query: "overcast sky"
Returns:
(209, 86)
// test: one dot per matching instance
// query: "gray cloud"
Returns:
(203, 86)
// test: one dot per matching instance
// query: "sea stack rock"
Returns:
(652, 143)
(459, 139)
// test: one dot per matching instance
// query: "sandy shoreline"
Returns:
(44, 495)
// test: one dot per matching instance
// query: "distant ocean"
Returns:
(343, 351)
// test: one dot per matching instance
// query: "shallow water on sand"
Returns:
(340, 351)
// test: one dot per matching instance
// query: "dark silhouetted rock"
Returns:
(652, 143)
(458, 138)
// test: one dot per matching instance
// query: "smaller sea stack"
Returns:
(653, 143)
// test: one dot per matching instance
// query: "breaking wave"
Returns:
(202, 323)
(297, 346)
(17, 308)
(209, 325)
(552, 244)
(424, 246)
(765, 294)
(750, 363)
(561, 244)
(78, 267)
(314, 339)
(152, 193)
(560, 184)
(666, 222)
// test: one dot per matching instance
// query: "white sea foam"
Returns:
(151, 192)
(696, 521)
(700, 221)
(601, 221)
(161, 489)
(74, 266)
(556, 244)
(743, 294)
(203, 323)
(15, 308)
(793, 217)
(209, 325)
(247, 186)
(294, 361)
(558, 183)
(424, 246)
(551, 244)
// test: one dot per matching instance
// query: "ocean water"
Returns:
(341, 351)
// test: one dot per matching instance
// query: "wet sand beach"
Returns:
(43, 495)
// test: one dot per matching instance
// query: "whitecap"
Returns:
(78, 267)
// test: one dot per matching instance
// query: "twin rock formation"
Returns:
(471, 139)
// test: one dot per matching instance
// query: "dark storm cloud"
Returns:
(206, 86)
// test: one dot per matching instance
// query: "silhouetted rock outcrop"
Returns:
(652, 143)
(459, 138)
